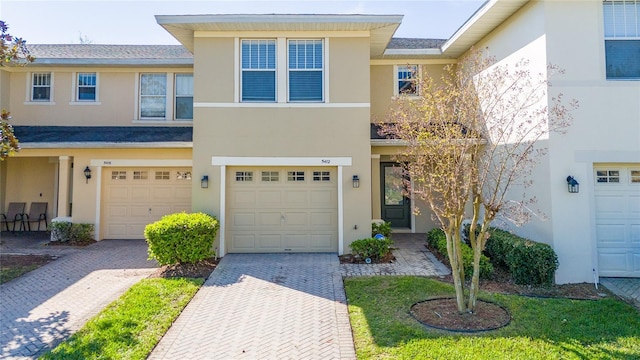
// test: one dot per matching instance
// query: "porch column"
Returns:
(64, 173)
(376, 212)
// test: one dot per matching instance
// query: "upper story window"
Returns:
(407, 80)
(41, 87)
(305, 70)
(622, 38)
(258, 70)
(184, 97)
(86, 90)
(153, 92)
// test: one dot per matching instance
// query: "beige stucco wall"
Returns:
(116, 103)
(30, 180)
(5, 93)
(214, 66)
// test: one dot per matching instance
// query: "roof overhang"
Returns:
(113, 62)
(106, 145)
(380, 27)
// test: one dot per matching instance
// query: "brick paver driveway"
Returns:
(265, 306)
(47, 305)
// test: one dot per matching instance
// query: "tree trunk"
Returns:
(453, 249)
(477, 252)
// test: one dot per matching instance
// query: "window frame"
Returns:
(33, 86)
(176, 96)
(78, 86)
(274, 70)
(397, 79)
(321, 70)
(614, 33)
(141, 96)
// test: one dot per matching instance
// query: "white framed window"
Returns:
(295, 176)
(270, 176)
(163, 175)
(258, 70)
(608, 176)
(184, 97)
(622, 38)
(406, 80)
(86, 86)
(183, 175)
(306, 70)
(153, 95)
(140, 175)
(321, 176)
(118, 175)
(41, 86)
(244, 176)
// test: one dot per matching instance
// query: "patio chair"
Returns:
(15, 213)
(37, 213)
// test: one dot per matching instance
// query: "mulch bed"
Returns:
(201, 269)
(351, 259)
(70, 243)
(13, 260)
(443, 314)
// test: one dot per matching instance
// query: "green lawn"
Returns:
(539, 329)
(8, 274)
(131, 326)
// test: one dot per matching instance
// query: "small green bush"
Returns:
(181, 238)
(383, 228)
(371, 248)
(529, 262)
(72, 233)
(437, 239)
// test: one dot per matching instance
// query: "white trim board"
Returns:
(280, 161)
(139, 162)
(280, 105)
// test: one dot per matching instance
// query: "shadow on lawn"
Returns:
(606, 328)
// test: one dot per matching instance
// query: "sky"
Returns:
(133, 22)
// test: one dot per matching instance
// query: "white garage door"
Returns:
(617, 191)
(282, 210)
(135, 197)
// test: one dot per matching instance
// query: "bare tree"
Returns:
(470, 137)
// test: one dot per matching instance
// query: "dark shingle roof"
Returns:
(110, 54)
(102, 134)
(414, 43)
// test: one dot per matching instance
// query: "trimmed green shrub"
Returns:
(181, 238)
(437, 239)
(383, 228)
(371, 248)
(72, 233)
(529, 262)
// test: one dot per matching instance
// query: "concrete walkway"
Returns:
(45, 306)
(626, 288)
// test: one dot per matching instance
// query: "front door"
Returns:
(396, 207)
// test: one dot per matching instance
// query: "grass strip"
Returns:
(10, 273)
(540, 328)
(131, 326)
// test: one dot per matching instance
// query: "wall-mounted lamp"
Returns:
(87, 174)
(572, 185)
(356, 181)
(204, 182)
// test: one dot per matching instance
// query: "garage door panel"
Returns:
(296, 218)
(244, 198)
(139, 193)
(182, 194)
(635, 234)
(610, 204)
(270, 199)
(244, 219)
(117, 230)
(321, 218)
(610, 234)
(296, 198)
(157, 211)
(117, 211)
(324, 197)
(138, 211)
(177, 208)
(296, 241)
(321, 241)
(267, 218)
(613, 261)
(244, 242)
(271, 241)
(118, 193)
(634, 205)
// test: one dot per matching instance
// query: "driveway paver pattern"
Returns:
(626, 288)
(45, 306)
(265, 306)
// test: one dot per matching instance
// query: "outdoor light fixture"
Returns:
(87, 174)
(204, 182)
(572, 185)
(356, 181)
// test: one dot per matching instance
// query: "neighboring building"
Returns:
(265, 120)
